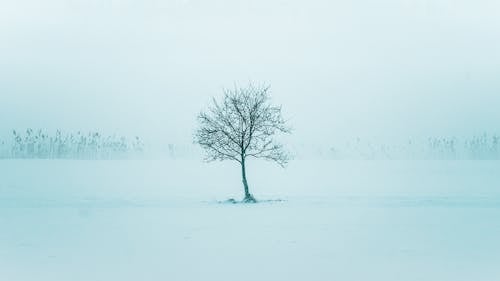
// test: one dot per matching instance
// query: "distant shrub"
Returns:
(92, 145)
(479, 147)
(483, 147)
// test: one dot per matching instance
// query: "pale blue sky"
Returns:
(341, 68)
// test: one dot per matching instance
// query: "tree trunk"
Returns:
(248, 197)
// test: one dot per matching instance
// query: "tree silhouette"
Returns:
(243, 124)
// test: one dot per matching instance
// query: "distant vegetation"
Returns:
(480, 147)
(92, 145)
(38, 144)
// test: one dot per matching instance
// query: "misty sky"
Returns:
(341, 69)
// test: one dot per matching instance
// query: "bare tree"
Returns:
(242, 125)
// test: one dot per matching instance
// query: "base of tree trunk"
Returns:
(249, 199)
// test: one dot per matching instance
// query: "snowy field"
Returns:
(161, 220)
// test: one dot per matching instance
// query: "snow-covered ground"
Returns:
(160, 220)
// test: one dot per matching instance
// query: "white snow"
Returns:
(160, 220)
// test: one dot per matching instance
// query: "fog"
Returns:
(372, 69)
(419, 73)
